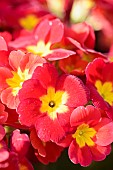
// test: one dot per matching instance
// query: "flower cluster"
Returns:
(56, 90)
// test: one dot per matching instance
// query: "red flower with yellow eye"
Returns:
(91, 137)
(99, 75)
(20, 68)
(43, 40)
(47, 100)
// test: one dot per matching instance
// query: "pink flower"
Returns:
(43, 39)
(19, 145)
(20, 68)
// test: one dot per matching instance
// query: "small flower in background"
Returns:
(43, 40)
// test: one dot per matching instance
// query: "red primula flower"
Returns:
(46, 152)
(21, 67)
(91, 136)
(99, 74)
(47, 100)
(43, 39)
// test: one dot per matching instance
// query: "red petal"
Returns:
(48, 129)
(42, 30)
(58, 54)
(28, 111)
(78, 94)
(15, 58)
(3, 45)
(8, 98)
(105, 135)
(57, 31)
(37, 143)
(99, 153)
(53, 151)
(94, 70)
(4, 155)
(31, 89)
(22, 42)
(4, 59)
(77, 155)
(88, 114)
(30, 61)
(4, 74)
(47, 75)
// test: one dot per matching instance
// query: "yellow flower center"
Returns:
(17, 80)
(54, 102)
(105, 90)
(29, 22)
(1, 146)
(83, 135)
(40, 49)
(70, 68)
(22, 167)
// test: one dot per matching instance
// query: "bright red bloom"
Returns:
(99, 74)
(47, 100)
(43, 40)
(91, 136)
(21, 67)
(46, 152)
